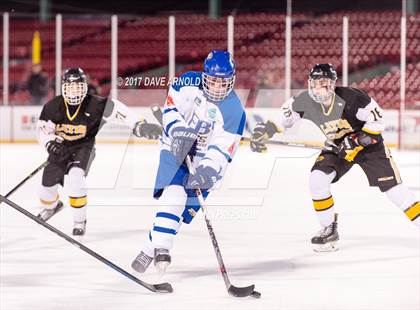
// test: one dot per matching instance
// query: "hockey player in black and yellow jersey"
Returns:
(67, 128)
(352, 122)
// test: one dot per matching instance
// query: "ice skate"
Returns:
(46, 214)
(326, 239)
(141, 262)
(162, 260)
(79, 228)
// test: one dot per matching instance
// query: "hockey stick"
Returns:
(26, 179)
(232, 290)
(157, 288)
(157, 112)
(42, 166)
(294, 144)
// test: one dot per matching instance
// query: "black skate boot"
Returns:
(141, 262)
(79, 228)
(326, 239)
(46, 214)
(162, 260)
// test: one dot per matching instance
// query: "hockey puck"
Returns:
(256, 294)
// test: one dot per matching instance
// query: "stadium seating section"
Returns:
(374, 40)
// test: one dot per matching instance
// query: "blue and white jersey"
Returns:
(220, 124)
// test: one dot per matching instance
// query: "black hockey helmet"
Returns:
(321, 82)
(74, 85)
(323, 71)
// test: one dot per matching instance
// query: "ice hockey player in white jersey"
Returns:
(67, 128)
(353, 122)
(202, 118)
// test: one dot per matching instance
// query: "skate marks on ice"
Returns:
(236, 270)
(285, 268)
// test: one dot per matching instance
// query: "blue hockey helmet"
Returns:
(218, 75)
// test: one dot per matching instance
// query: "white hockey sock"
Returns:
(149, 247)
(168, 217)
(48, 196)
(79, 213)
(319, 184)
(404, 199)
(75, 185)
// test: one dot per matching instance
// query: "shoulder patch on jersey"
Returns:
(190, 78)
(233, 113)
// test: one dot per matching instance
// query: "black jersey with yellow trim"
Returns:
(340, 118)
(79, 124)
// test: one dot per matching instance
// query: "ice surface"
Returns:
(263, 219)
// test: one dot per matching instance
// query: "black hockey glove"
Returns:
(204, 178)
(262, 132)
(353, 144)
(183, 143)
(146, 130)
(57, 150)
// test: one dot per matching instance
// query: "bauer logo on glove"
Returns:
(183, 143)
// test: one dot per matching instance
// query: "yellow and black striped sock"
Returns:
(78, 202)
(78, 207)
(413, 211)
(323, 204)
(324, 210)
(49, 204)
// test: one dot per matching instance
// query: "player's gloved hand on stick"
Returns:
(349, 148)
(57, 150)
(262, 132)
(353, 144)
(204, 178)
(183, 143)
(329, 145)
(143, 129)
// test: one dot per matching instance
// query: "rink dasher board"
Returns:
(18, 124)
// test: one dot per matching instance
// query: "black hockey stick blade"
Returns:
(156, 288)
(162, 288)
(241, 291)
(256, 294)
